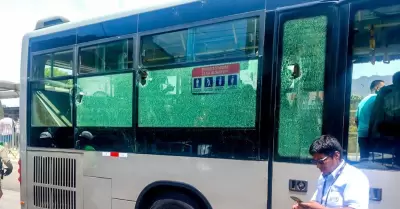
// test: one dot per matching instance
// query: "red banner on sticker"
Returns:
(216, 70)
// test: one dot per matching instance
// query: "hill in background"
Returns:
(360, 86)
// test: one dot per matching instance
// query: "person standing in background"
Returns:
(4, 159)
(362, 119)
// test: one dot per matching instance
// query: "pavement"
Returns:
(10, 200)
(10, 187)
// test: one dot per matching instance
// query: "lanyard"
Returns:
(329, 189)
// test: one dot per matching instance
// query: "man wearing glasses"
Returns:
(340, 184)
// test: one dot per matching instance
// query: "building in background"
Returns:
(11, 112)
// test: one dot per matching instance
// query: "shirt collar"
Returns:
(334, 173)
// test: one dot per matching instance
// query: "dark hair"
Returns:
(326, 145)
(375, 83)
(396, 78)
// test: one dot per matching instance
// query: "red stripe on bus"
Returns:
(216, 70)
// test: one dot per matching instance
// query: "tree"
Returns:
(354, 101)
(56, 73)
(356, 98)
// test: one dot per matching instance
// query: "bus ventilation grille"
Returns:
(54, 182)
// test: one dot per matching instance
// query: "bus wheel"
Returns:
(174, 201)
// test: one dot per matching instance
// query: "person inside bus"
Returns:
(363, 115)
(47, 139)
(385, 120)
(340, 184)
(85, 141)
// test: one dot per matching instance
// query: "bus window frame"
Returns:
(330, 118)
(70, 48)
(260, 15)
(29, 81)
(267, 97)
(75, 73)
(262, 152)
(132, 37)
(352, 9)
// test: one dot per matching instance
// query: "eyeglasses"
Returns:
(320, 161)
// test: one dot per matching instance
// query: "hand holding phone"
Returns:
(296, 199)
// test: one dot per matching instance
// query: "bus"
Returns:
(205, 104)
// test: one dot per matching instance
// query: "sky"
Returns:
(18, 17)
(380, 69)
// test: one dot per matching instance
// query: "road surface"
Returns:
(10, 186)
(10, 200)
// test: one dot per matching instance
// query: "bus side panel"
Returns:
(122, 204)
(233, 184)
(22, 116)
(97, 193)
(282, 173)
(388, 181)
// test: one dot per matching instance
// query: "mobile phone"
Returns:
(296, 199)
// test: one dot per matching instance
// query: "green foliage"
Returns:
(56, 73)
(352, 144)
(356, 98)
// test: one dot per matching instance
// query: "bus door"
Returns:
(305, 54)
(373, 89)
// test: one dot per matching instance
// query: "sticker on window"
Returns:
(213, 79)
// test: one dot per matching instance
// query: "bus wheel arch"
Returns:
(156, 189)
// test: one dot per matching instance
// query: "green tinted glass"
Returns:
(105, 101)
(301, 102)
(188, 97)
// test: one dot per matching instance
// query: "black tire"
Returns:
(174, 201)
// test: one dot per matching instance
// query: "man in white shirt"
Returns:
(340, 184)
